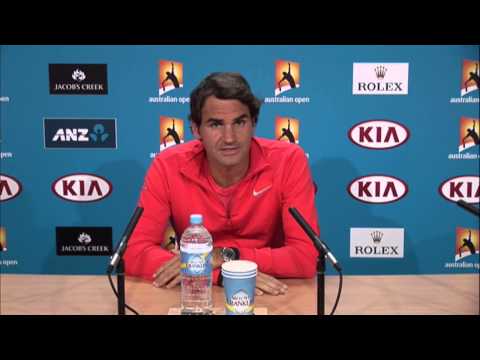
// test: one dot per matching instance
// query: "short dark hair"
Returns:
(225, 86)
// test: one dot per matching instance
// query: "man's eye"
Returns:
(214, 125)
(240, 122)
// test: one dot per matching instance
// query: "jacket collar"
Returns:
(196, 162)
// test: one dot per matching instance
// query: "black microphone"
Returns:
(123, 243)
(319, 244)
(469, 207)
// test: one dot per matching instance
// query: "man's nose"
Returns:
(228, 134)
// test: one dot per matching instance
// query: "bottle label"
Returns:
(197, 262)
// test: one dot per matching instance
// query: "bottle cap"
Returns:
(196, 219)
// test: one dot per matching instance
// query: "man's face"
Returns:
(226, 131)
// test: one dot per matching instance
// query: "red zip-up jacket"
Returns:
(257, 221)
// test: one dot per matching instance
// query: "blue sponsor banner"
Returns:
(80, 133)
(391, 134)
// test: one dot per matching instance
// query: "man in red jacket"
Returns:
(241, 184)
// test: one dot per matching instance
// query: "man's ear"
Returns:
(195, 131)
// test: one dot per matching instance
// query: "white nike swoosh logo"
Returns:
(256, 193)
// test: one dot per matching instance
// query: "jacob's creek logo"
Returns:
(466, 247)
(80, 133)
(287, 77)
(170, 77)
(380, 78)
(78, 79)
(377, 189)
(9, 187)
(465, 188)
(468, 139)
(171, 132)
(89, 241)
(287, 129)
(82, 187)
(378, 134)
(376, 242)
(469, 83)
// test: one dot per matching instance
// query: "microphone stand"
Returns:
(469, 207)
(121, 286)
(321, 283)
(324, 252)
(117, 264)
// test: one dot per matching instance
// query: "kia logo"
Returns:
(9, 187)
(461, 187)
(378, 134)
(377, 189)
(82, 187)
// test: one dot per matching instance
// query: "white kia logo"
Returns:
(377, 189)
(9, 187)
(378, 134)
(82, 187)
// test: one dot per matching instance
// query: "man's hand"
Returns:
(268, 284)
(169, 274)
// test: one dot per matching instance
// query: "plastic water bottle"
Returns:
(196, 268)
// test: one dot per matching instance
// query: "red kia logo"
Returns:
(461, 188)
(82, 187)
(9, 187)
(377, 189)
(378, 134)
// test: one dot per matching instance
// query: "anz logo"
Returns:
(80, 133)
(70, 135)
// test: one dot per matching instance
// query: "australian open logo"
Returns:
(468, 140)
(170, 79)
(466, 252)
(287, 129)
(470, 82)
(240, 303)
(287, 78)
(171, 132)
(3, 239)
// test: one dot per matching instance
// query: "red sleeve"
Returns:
(144, 255)
(298, 257)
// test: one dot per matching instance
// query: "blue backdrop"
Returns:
(435, 75)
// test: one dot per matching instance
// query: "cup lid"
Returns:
(239, 266)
